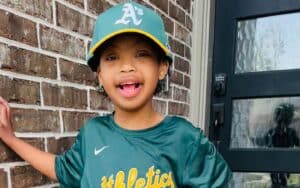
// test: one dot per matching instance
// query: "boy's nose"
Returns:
(127, 66)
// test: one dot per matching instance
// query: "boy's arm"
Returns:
(42, 161)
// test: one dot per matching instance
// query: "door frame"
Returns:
(241, 159)
(201, 63)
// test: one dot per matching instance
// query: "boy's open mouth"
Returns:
(129, 89)
(135, 85)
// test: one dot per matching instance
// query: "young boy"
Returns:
(135, 146)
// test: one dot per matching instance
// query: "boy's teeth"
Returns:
(129, 90)
(129, 85)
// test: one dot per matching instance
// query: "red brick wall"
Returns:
(43, 73)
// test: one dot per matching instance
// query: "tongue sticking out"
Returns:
(129, 90)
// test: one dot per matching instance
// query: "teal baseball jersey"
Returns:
(170, 154)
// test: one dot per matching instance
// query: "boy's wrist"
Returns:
(9, 139)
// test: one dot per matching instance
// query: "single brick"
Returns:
(62, 43)
(38, 8)
(160, 106)
(169, 24)
(96, 6)
(177, 78)
(187, 52)
(58, 146)
(163, 5)
(17, 28)
(67, 97)
(181, 33)
(27, 62)
(181, 64)
(177, 47)
(73, 121)
(7, 155)
(27, 176)
(78, 73)
(73, 20)
(186, 4)
(79, 3)
(29, 120)
(3, 178)
(100, 101)
(178, 109)
(187, 82)
(176, 13)
(4, 54)
(143, 2)
(180, 94)
(19, 91)
(189, 22)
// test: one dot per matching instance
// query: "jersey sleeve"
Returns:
(204, 166)
(69, 165)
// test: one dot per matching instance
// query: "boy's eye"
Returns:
(111, 57)
(143, 53)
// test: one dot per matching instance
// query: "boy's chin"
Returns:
(131, 106)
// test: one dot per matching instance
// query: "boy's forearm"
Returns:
(40, 160)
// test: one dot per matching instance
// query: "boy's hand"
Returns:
(5, 120)
(42, 161)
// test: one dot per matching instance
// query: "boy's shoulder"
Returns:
(186, 129)
(184, 123)
(94, 122)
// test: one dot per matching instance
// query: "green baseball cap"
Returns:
(128, 17)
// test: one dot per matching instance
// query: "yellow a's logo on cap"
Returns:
(131, 13)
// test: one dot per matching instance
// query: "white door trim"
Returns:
(202, 37)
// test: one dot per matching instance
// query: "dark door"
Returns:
(255, 109)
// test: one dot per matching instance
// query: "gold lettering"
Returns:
(120, 180)
(170, 180)
(140, 183)
(153, 179)
(133, 173)
(110, 182)
(156, 179)
(104, 182)
(149, 176)
(163, 180)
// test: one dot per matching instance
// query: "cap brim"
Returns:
(154, 39)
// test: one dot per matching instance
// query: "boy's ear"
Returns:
(163, 70)
(99, 76)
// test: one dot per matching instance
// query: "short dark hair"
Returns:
(160, 54)
(284, 113)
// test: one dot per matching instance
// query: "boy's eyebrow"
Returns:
(139, 41)
(110, 45)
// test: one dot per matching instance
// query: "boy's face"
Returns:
(129, 72)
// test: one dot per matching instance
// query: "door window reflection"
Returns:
(268, 43)
(266, 123)
(282, 135)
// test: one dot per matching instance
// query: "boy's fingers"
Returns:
(7, 109)
(5, 103)
(3, 114)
